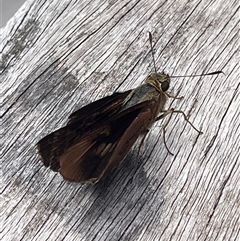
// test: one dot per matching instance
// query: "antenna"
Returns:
(180, 76)
(197, 75)
(150, 40)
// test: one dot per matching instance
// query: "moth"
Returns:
(98, 136)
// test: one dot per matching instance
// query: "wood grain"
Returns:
(57, 56)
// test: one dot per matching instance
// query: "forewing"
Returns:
(98, 152)
(81, 121)
(99, 110)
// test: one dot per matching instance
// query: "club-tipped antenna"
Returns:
(150, 40)
(198, 75)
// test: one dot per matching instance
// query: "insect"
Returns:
(98, 136)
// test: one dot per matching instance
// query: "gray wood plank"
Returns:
(57, 56)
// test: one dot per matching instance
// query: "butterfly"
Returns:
(98, 136)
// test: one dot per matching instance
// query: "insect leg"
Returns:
(171, 111)
(166, 112)
(174, 97)
(186, 119)
(164, 127)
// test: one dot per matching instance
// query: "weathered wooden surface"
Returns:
(57, 56)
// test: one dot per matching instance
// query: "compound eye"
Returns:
(165, 86)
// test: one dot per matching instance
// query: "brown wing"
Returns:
(101, 149)
(87, 118)
(100, 109)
